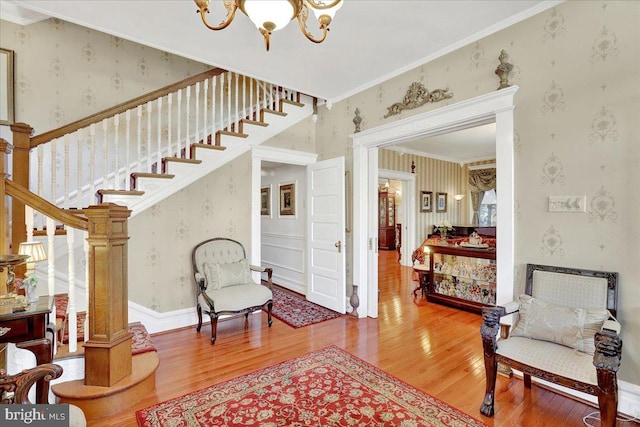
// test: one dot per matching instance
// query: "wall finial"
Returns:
(357, 120)
(503, 70)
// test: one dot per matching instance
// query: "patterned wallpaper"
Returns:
(577, 130)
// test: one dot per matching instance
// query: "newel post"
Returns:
(108, 351)
(5, 150)
(20, 175)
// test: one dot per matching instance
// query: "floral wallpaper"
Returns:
(576, 133)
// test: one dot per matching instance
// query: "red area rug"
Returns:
(329, 387)
(298, 312)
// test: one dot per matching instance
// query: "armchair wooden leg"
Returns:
(214, 328)
(269, 307)
(527, 380)
(199, 311)
(607, 362)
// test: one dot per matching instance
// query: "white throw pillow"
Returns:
(212, 276)
(571, 327)
(234, 273)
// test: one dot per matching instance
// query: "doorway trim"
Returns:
(408, 210)
(495, 107)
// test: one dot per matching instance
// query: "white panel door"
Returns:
(326, 235)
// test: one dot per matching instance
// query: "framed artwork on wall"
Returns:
(441, 202)
(6, 87)
(288, 199)
(425, 201)
(265, 201)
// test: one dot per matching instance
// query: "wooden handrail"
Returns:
(120, 108)
(41, 205)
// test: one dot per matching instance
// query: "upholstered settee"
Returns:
(224, 284)
(565, 334)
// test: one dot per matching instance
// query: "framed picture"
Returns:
(265, 201)
(441, 202)
(6, 87)
(425, 201)
(288, 199)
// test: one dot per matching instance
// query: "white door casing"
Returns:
(326, 234)
(495, 107)
(409, 209)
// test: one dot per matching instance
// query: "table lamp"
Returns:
(36, 253)
(426, 251)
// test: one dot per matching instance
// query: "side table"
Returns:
(422, 270)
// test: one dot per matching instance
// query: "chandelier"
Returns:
(273, 15)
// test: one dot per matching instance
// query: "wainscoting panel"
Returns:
(286, 254)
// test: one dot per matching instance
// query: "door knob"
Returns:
(339, 246)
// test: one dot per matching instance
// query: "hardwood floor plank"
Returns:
(432, 347)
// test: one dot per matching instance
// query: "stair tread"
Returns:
(152, 175)
(121, 192)
(209, 146)
(288, 101)
(254, 122)
(230, 133)
(58, 232)
(181, 160)
(277, 113)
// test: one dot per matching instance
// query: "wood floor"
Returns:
(434, 348)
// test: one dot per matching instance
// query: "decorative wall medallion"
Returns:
(553, 99)
(22, 36)
(602, 207)
(604, 45)
(182, 230)
(231, 228)
(380, 94)
(417, 95)
(477, 56)
(603, 126)
(207, 208)
(143, 68)
(57, 24)
(23, 85)
(231, 188)
(87, 53)
(422, 74)
(88, 98)
(553, 26)
(153, 257)
(117, 41)
(56, 69)
(116, 82)
(155, 210)
(552, 171)
(552, 243)
(57, 116)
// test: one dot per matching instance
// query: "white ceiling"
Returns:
(369, 42)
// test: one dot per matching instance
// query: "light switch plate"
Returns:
(567, 203)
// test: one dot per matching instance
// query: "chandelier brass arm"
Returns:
(230, 5)
(324, 21)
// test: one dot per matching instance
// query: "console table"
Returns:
(27, 329)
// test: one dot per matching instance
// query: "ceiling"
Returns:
(370, 41)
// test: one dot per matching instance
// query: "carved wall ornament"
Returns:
(417, 95)
(503, 70)
(357, 120)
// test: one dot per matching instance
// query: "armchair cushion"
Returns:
(240, 297)
(571, 327)
(230, 274)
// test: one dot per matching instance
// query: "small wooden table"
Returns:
(423, 278)
(27, 329)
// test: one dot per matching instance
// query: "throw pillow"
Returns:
(571, 327)
(234, 273)
(212, 276)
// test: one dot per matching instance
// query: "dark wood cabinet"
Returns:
(462, 277)
(386, 221)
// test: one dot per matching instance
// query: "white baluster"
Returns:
(71, 307)
(105, 154)
(159, 140)
(187, 137)
(28, 221)
(80, 166)
(149, 108)
(116, 143)
(179, 120)
(92, 162)
(54, 171)
(251, 116)
(139, 138)
(228, 91)
(127, 161)
(244, 94)
(221, 90)
(51, 270)
(213, 109)
(197, 112)
(65, 141)
(205, 89)
(169, 134)
(237, 116)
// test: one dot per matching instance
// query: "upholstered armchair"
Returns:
(224, 283)
(565, 334)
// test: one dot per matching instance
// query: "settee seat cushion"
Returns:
(550, 357)
(239, 297)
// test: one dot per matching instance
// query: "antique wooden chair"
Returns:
(224, 284)
(565, 335)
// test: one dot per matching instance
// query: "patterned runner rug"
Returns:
(329, 387)
(298, 312)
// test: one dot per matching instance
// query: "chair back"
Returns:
(218, 250)
(572, 287)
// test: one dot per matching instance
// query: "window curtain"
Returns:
(480, 180)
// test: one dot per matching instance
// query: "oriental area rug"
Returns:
(329, 387)
(296, 311)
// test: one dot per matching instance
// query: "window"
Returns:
(488, 209)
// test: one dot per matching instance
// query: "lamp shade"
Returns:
(458, 197)
(331, 11)
(271, 15)
(35, 250)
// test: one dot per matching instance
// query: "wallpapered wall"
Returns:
(577, 133)
(64, 72)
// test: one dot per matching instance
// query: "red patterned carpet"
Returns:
(329, 387)
(298, 312)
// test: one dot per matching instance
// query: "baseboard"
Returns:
(156, 322)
